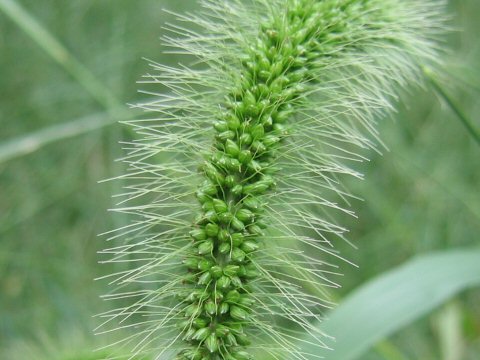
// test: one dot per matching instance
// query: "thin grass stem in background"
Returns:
(59, 53)
(452, 104)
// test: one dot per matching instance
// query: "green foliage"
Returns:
(421, 196)
(398, 297)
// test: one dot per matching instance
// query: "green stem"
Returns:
(58, 52)
(27, 144)
(452, 104)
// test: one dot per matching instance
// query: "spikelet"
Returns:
(234, 183)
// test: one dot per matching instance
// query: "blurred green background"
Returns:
(60, 98)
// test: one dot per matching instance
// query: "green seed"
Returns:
(233, 164)
(201, 334)
(205, 264)
(270, 140)
(189, 334)
(211, 230)
(223, 235)
(232, 296)
(258, 147)
(230, 181)
(236, 282)
(249, 246)
(254, 166)
(198, 234)
(231, 148)
(205, 247)
(191, 263)
(216, 271)
(237, 190)
(238, 313)
(231, 341)
(245, 156)
(223, 282)
(224, 308)
(257, 131)
(210, 307)
(209, 188)
(205, 278)
(221, 330)
(192, 310)
(213, 173)
(251, 273)
(207, 206)
(200, 323)
(225, 217)
(238, 255)
(237, 224)
(246, 301)
(244, 215)
(223, 136)
(233, 122)
(224, 248)
(243, 340)
(242, 355)
(219, 206)
(246, 139)
(237, 239)
(257, 188)
(252, 203)
(255, 230)
(212, 343)
(231, 270)
(202, 196)
(211, 215)
(220, 126)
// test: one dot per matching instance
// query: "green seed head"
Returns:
(243, 167)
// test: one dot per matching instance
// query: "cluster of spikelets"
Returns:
(234, 184)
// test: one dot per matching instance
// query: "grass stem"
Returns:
(58, 52)
(452, 104)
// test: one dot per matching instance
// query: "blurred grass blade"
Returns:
(27, 144)
(448, 325)
(453, 105)
(389, 351)
(397, 298)
(58, 52)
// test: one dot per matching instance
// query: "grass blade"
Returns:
(453, 105)
(29, 143)
(397, 298)
(58, 52)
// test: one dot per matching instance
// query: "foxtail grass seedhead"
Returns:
(234, 182)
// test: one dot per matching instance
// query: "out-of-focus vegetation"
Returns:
(420, 196)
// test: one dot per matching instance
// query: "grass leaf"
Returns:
(26, 144)
(58, 52)
(397, 298)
